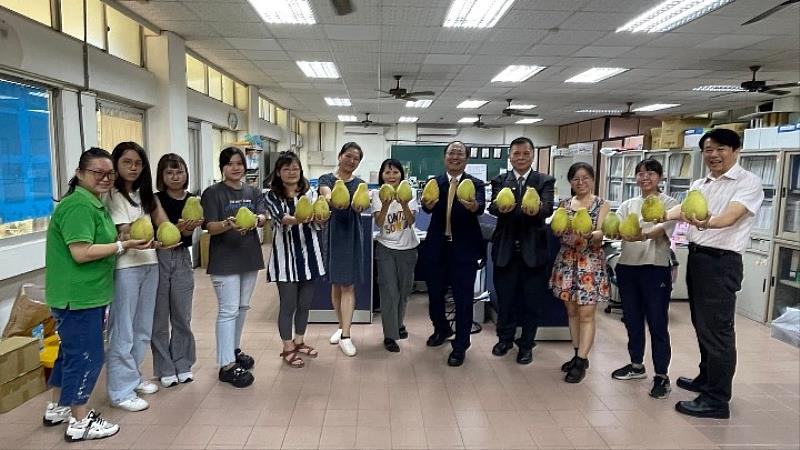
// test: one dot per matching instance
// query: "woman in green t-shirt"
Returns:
(79, 283)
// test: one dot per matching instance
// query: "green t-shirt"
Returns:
(79, 217)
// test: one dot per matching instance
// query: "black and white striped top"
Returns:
(296, 250)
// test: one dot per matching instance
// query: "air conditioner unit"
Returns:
(428, 131)
(360, 130)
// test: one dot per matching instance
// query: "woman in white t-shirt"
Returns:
(396, 252)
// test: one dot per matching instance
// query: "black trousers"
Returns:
(713, 276)
(460, 276)
(520, 290)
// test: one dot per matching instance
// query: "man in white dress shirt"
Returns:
(714, 272)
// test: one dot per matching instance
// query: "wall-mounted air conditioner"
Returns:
(430, 131)
(361, 130)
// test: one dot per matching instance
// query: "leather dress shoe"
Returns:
(501, 348)
(703, 407)
(525, 356)
(689, 384)
(456, 358)
(437, 339)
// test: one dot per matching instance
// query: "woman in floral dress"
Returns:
(579, 275)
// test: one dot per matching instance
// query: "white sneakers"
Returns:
(147, 387)
(91, 427)
(347, 346)
(169, 381)
(185, 377)
(132, 404)
(336, 337)
(54, 414)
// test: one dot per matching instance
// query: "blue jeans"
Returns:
(130, 326)
(233, 294)
(80, 358)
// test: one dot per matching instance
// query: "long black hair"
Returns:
(143, 184)
(170, 161)
(276, 184)
(391, 162)
(83, 163)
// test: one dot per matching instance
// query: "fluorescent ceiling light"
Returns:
(347, 118)
(408, 119)
(656, 107)
(476, 13)
(284, 11)
(596, 74)
(472, 104)
(527, 121)
(719, 88)
(671, 14)
(467, 119)
(419, 104)
(517, 74)
(522, 107)
(318, 69)
(333, 101)
(599, 111)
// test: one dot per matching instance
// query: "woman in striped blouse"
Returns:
(296, 259)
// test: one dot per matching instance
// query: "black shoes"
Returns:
(236, 375)
(568, 365)
(438, 338)
(244, 360)
(525, 356)
(661, 387)
(391, 345)
(456, 358)
(501, 348)
(629, 373)
(689, 384)
(577, 371)
(704, 408)
(403, 333)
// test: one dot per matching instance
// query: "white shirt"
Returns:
(123, 212)
(396, 233)
(735, 185)
(654, 252)
(523, 175)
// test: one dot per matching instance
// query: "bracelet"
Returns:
(120, 248)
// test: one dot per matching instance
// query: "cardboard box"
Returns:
(18, 355)
(789, 136)
(672, 131)
(691, 137)
(21, 389)
(205, 241)
(738, 127)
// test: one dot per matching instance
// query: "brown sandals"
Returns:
(291, 359)
(306, 350)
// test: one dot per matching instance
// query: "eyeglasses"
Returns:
(581, 180)
(648, 174)
(456, 154)
(129, 163)
(99, 174)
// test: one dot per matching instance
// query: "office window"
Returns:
(214, 84)
(273, 113)
(196, 74)
(280, 118)
(119, 123)
(227, 90)
(260, 108)
(26, 185)
(241, 96)
(38, 10)
(72, 21)
(124, 37)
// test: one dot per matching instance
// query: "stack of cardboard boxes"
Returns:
(21, 372)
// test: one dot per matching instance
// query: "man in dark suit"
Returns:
(519, 252)
(453, 246)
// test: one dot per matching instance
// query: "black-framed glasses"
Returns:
(99, 174)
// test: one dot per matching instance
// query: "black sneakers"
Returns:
(629, 373)
(577, 372)
(244, 360)
(661, 387)
(391, 345)
(236, 375)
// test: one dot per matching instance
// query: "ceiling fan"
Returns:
(343, 7)
(399, 93)
(483, 125)
(509, 111)
(627, 112)
(367, 122)
(762, 86)
(770, 12)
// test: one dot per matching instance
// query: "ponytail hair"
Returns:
(86, 157)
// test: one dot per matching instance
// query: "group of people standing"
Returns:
(94, 264)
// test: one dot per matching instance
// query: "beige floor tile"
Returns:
(369, 438)
(301, 437)
(444, 437)
(338, 437)
(266, 437)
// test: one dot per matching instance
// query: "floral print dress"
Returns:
(579, 272)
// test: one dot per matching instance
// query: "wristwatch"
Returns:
(120, 248)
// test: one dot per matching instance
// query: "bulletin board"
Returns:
(424, 161)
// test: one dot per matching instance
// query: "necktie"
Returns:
(521, 186)
(451, 195)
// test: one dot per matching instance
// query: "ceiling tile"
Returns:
(446, 59)
(254, 44)
(353, 32)
(257, 55)
(240, 30)
(596, 51)
(728, 41)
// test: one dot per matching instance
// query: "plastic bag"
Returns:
(29, 311)
(786, 328)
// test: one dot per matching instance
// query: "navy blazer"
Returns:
(468, 245)
(517, 227)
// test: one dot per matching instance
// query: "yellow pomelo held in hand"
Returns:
(192, 209)
(386, 192)
(694, 206)
(505, 199)
(168, 234)
(303, 210)
(142, 228)
(466, 190)
(653, 209)
(431, 191)
(404, 192)
(610, 225)
(582, 222)
(361, 197)
(321, 209)
(245, 218)
(531, 201)
(630, 228)
(559, 223)
(340, 196)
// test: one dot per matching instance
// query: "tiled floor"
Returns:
(412, 399)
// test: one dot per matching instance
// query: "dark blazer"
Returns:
(468, 245)
(516, 226)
